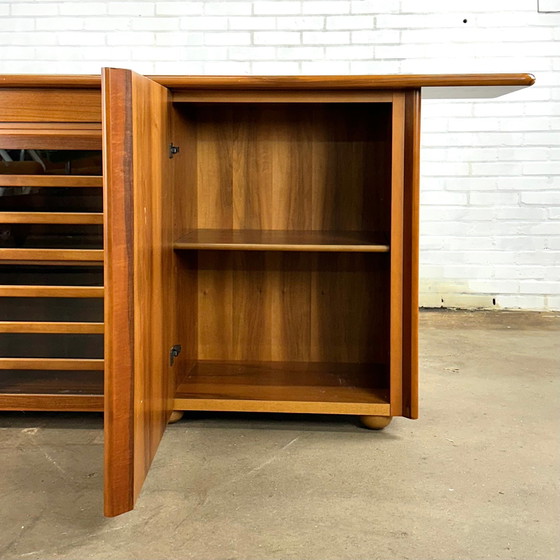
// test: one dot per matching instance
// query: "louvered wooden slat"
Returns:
(52, 291)
(54, 139)
(51, 217)
(51, 364)
(45, 256)
(78, 181)
(55, 402)
(51, 390)
(50, 136)
(51, 327)
(53, 263)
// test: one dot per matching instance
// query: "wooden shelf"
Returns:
(51, 390)
(52, 291)
(51, 327)
(50, 136)
(326, 388)
(53, 402)
(52, 256)
(42, 181)
(66, 364)
(51, 217)
(46, 262)
(275, 240)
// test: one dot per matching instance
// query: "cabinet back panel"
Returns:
(51, 345)
(312, 307)
(293, 166)
(36, 161)
(51, 309)
(64, 199)
(51, 275)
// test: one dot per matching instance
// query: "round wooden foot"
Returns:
(376, 422)
(176, 415)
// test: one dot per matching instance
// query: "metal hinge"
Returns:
(174, 352)
(173, 150)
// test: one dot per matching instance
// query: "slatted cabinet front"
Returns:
(51, 250)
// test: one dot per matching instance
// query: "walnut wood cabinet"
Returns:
(210, 243)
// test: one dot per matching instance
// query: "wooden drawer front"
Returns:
(50, 105)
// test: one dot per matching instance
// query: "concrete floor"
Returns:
(476, 477)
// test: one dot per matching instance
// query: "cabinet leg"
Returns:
(376, 422)
(176, 415)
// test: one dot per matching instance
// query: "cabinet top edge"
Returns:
(178, 83)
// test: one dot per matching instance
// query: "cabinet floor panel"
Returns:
(316, 387)
(51, 390)
(282, 240)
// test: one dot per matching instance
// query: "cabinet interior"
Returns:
(282, 239)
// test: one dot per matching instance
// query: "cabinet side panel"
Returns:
(410, 254)
(119, 292)
(185, 209)
(397, 185)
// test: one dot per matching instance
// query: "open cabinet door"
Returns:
(139, 326)
(411, 211)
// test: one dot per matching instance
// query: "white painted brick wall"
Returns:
(490, 216)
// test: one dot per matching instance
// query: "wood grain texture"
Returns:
(284, 183)
(389, 81)
(278, 167)
(396, 298)
(61, 382)
(51, 291)
(154, 296)
(51, 390)
(51, 327)
(326, 307)
(394, 81)
(349, 308)
(411, 252)
(9, 168)
(279, 96)
(82, 81)
(276, 240)
(139, 281)
(54, 402)
(49, 126)
(51, 256)
(326, 388)
(185, 210)
(119, 294)
(58, 136)
(50, 105)
(51, 218)
(42, 181)
(30, 261)
(85, 134)
(51, 364)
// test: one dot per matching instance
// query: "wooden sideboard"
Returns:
(173, 243)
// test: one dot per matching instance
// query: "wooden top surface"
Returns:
(177, 83)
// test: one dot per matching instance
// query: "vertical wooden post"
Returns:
(410, 253)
